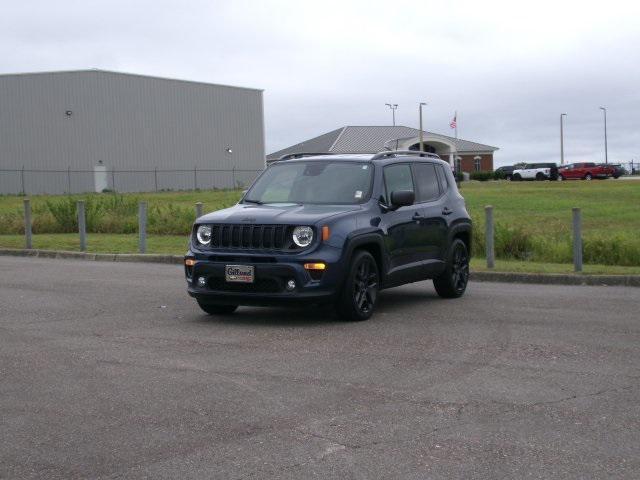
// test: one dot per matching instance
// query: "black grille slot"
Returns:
(261, 285)
(252, 237)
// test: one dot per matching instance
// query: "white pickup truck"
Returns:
(536, 171)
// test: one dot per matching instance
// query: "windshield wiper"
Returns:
(249, 200)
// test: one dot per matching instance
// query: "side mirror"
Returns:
(402, 198)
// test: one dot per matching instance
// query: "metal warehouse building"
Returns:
(90, 130)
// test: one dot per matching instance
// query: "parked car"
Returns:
(584, 171)
(617, 170)
(536, 171)
(505, 172)
(333, 229)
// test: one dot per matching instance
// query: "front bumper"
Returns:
(271, 272)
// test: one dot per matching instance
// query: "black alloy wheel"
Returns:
(452, 283)
(360, 293)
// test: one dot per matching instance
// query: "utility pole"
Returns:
(393, 107)
(421, 134)
(606, 155)
(562, 115)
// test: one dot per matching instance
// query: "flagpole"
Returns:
(455, 115)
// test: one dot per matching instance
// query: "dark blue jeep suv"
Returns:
(333, 229)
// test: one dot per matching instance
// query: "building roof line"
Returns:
(337, 138)
(114, 72)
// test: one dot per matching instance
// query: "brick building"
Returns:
(464, 155)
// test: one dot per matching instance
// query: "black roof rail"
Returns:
(395, 153)
(289, 156)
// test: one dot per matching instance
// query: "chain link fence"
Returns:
(27, 181)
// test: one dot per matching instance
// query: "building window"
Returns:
(458, 165)
(476, 163)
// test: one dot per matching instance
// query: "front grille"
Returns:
(261, 285)
(251, 237)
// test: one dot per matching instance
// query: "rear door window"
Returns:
(427, 182)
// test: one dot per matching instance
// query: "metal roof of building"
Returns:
(113, 72)
(371, 139)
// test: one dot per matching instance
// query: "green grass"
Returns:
(101, 243)
(533, 220)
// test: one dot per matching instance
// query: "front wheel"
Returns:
(213, 309)
(360, 292)
(517, 177)
(588, 177)
(453, 281)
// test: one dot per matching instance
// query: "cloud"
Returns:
(508, 68)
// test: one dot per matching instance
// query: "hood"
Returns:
(288, 214)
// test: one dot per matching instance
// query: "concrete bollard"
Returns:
(489, 237)
(27, 224)
(82, 226)
(142, 227)
(199, 207)
(577, 240)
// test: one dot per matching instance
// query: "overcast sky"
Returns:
(508, 68)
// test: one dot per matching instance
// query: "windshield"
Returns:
(313, 182)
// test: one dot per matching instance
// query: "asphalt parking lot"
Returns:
(109, 370)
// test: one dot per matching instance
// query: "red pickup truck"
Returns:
(586, 171)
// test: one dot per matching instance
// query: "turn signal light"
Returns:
(326, 233)
(315, 266)
(190, 262)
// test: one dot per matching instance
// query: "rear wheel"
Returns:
(509, 177)
(213, 309)
(588, 177)
(360, 292)
(560, 178)
(540, 176)
(453, 281)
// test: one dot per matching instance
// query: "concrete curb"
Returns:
(557, 278)
(505, 277)
(101, 257)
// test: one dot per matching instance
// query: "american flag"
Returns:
(454, 123)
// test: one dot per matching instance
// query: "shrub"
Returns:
(499, 175)
(481, 176)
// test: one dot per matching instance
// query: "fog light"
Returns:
(291, 285)
(202, 282)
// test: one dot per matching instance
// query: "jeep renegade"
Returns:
(333, 229)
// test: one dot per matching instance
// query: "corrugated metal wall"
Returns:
(128, 122)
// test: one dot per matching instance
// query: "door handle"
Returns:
(417, 216)
(446, 211)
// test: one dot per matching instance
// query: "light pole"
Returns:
(562, 115)
(393, 107)
(421, 135)
(606, 155)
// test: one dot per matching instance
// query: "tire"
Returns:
(517, 177)
(560, 178)
(213, 309)
(452, 283)
(588, 177)
(360, 290)
(509, 177)
(616, 177)
(540, 177)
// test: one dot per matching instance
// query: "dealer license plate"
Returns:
(239, 273)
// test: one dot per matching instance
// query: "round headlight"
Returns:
(204, 234)
(302, 236)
